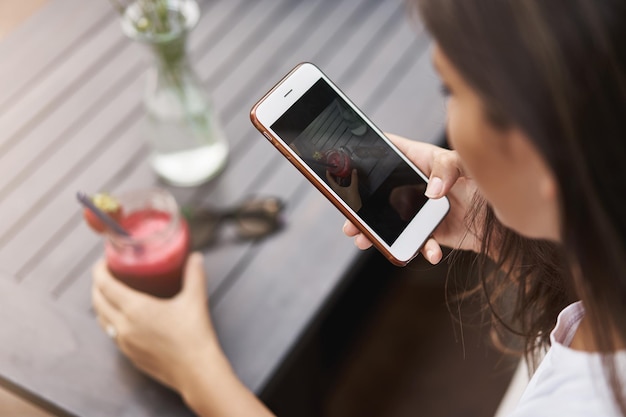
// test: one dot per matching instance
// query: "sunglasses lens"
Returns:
(253, 219)
(259, 217)
(203, 226)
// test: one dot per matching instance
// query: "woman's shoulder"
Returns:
(572, 390)
(569, 382)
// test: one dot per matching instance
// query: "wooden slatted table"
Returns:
(70, 119)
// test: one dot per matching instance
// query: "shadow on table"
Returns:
(389, 347)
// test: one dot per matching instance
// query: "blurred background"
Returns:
(12, 13)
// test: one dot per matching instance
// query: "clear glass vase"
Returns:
(188, 144)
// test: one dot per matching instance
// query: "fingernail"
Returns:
(434, 188)
(433, 257)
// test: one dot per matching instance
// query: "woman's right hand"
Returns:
(173, 341)
(349, 194)
(446, 178)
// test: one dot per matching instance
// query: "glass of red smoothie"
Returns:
(152, 258)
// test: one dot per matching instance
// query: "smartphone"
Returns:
(342, 153)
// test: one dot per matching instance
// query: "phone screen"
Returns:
(359, 165)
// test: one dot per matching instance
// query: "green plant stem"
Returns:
(156, 23)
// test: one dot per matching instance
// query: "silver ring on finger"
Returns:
(111, 331)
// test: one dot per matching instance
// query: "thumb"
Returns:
(194, 277)
(446, 170)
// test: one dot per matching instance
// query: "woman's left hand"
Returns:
(445, 168)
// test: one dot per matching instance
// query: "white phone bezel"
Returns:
(269, 109)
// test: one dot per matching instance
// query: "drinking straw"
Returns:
(105, 218)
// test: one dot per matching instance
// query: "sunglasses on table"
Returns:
(252, 219)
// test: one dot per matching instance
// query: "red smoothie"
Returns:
(152, 259)
(342, 164)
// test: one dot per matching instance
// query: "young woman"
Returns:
(536, 117)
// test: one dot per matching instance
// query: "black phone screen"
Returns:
(341, 148)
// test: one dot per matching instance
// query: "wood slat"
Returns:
(280, 64)
(65, 359)
(27, 110)
(367, 49)
(47, 137)
(423, 115)
(42, 43)
(275, 52)
(46, 264)
(30, 30)
(54, 31)
(26, 211)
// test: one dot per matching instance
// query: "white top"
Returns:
(569, 382)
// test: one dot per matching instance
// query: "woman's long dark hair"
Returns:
(556, 70)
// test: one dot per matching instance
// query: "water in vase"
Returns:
(189, 147)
